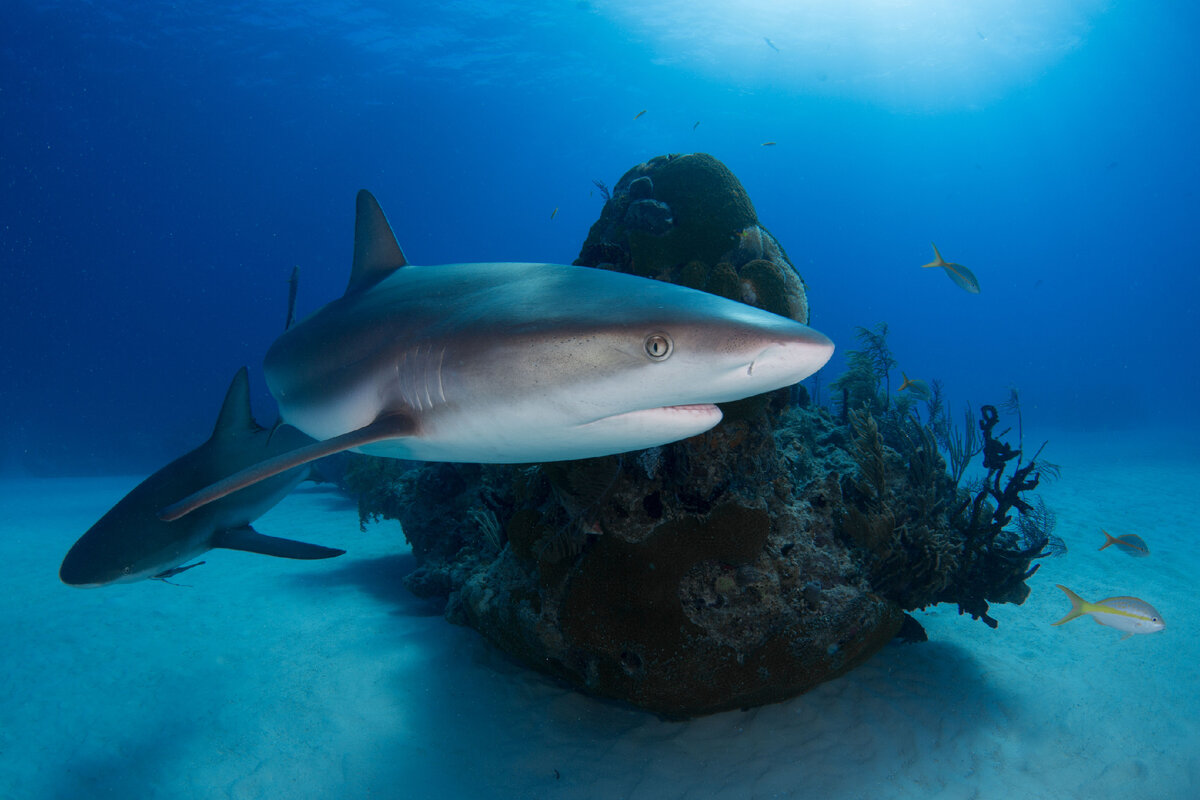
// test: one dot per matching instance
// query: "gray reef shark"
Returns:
(513, 363)
(130, 542)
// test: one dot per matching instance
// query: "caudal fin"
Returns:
(938, 263)
(1109, 539)
(1078, 606)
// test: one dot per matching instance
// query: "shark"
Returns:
(499, 362)
(131, 543)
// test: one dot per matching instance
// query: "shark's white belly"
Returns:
(516, 439)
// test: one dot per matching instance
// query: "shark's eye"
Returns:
(658, 346)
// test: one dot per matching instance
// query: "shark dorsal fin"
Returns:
(376, 252)
(236, 418)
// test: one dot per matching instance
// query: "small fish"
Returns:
(917, 386)
(637, 115)
(697, 125)
(958, 273)
(1127, 614)
(771, 44)
(1130, 544)
(554, 212)
(768, 144)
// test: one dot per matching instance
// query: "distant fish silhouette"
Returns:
(554, 213)
(1130, 544)
(1127, 614)
(768, 144)
(958, 273)
(917, 386)
(697, 125)
(639, 114)
(293, 285)
(771, 44)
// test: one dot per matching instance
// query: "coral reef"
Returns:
(687, 219)
(739, 567)
(686, 579)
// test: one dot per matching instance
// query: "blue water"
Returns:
(165, 166)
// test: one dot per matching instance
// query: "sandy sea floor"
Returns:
(272, 678)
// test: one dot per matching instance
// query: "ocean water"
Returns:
(166, 166)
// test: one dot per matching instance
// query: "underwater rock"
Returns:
(713, 241)
(649, 216)
(641, 189)
(669, 578)
(739, 567)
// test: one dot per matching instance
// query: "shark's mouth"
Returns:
(695, 408)
(676, 421)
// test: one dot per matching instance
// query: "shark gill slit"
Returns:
(404, 379)
(428, 377)
(441, 388)
(414, 363)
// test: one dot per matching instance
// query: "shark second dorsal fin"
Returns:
(377, 254)
(235, 418)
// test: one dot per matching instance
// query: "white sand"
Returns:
(273, 678)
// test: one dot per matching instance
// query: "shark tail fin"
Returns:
(249, 540)
(390, 427)
(1078, 606)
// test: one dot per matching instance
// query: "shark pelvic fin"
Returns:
(251, 541)
(377, 254)
(390, 427)
(235, 418)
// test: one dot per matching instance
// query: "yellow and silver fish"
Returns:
(1127, 614)
(958, 273)
(1130, 544)
(917, 386)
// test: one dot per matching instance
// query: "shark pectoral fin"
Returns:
(251, 541)
(390, 427)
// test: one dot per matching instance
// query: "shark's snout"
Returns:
(791, 359)
(76, 571)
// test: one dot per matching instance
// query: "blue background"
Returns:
(164, 167)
